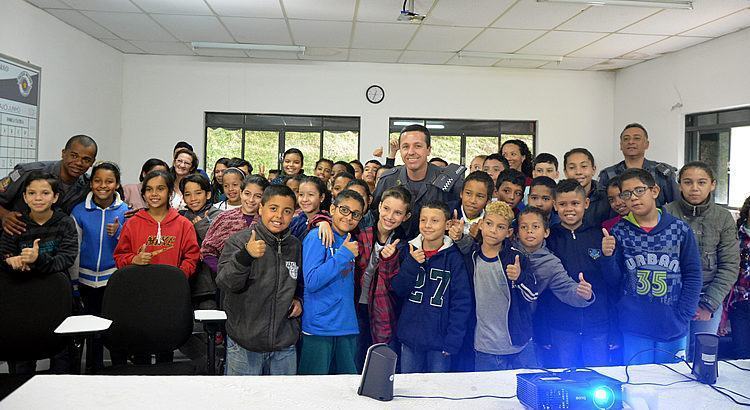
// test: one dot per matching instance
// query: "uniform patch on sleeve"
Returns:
(4, 183)
(15, 175)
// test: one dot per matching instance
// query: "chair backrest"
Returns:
(31, 307)
(149, 307)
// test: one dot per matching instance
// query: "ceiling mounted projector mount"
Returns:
(408, 13)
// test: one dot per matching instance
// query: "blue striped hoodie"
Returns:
(662, 277)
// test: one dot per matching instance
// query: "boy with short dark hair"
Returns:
(662, 274)
(434, 286)
(616, 204)
(542, 196)
(329, 323)
(579, 165)
(259, 273)
(475, 195)
(509, 188)
(494, 164)
(545, 165)
(339, 182)
(580, 335)
(503, 289)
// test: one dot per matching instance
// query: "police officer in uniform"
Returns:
(425, 181)
(633, 144)
(78, 156)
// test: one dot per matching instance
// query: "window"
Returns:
(459, 141)
(262, 138)
(722, 140)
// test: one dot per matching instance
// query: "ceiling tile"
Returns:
(472, 61)
(215, 52)
(258, 30)
(47, 4)
(81, 22)
(425, 57)
(616, 45)
(320, 9)
(671, 22)
(667, 46)
(374, 56)
(164, 47)
(614, 64)
(561, 42)
(570, 63)
(440, 38)
(190, 7)
(244, 8)
(130, 26)
(103, 5)
(528, 14)
(606, 19)
(502, 40)
(385, 36)
(519, 63)
(317, 33)
(474, 13)
(324, 54)
(122, 45)
(194, 28)
(725, 25)
(388, 10)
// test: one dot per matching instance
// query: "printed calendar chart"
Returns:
(19, 113)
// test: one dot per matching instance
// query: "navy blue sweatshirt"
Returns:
(580, 250)
(662, 277)
(436, 299)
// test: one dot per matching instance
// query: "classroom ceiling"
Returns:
(587, 37)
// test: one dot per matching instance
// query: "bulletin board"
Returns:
(19, 113)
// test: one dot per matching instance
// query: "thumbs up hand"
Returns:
(351, 245)
(417, 254)
(584, 288)
(143, 257)
(113, 227)
(30, 255)
(514, 271)
(256, 248)
(16, 263)
(456, 227)
(608, 243)
(389, 250)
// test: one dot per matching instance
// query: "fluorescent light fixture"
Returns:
(663, 4)
(508, 56)
(405, 123)
(436, 126)
(248, 47)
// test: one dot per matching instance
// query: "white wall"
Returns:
(706, 77)
(164, 99)
(81, 82)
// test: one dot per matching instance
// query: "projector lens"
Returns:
(604, 397)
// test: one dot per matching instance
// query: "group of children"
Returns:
(522, 271)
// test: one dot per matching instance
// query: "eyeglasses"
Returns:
(181, 162)
(356, 215)
(637, 191)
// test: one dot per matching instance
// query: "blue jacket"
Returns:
(662, 277)
(328, 275)
(436, 299)
(96, 261)
(581, 251)
(599, 209)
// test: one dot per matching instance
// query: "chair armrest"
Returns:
(210, 316)
(83, 324)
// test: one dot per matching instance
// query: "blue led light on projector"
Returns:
(604, 397)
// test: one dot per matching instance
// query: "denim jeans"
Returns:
(485, 362)
(423, 361)
(575, 349)
(702, 326)
(632, 345)
(242, 362)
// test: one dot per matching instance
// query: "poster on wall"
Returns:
(19, 113)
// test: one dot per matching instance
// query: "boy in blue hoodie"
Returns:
(329, 321)
(580, 335)
(661, 267)
(434, 287)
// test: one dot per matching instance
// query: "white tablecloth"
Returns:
(314, 392)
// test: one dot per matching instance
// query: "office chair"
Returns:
(31, 307)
